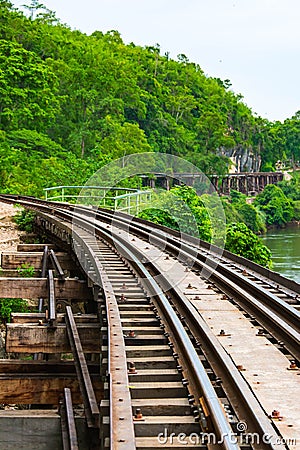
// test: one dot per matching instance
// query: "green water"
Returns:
(285, 247)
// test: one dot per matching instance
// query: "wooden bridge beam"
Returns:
(34, 247)
(42, 382)
(28, 338)
(42, 389)
(13, 260)
(35, 318)
(37, 430)
(69, 289)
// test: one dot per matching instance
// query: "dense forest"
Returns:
(70, 103)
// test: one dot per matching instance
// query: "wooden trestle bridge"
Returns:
(144, 338)
(249, 183)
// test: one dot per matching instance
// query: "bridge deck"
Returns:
(266, 367)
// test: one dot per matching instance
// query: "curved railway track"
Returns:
(167, 375)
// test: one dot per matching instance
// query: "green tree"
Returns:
(27, 88)
(95, 99)
(275, 205)
(247, 212)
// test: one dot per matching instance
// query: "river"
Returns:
(285, 247)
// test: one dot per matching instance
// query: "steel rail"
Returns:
(86, 388)
(223, 429)
(56, 265)
(280, 318)
(126, 250)
(215, 251)
(259, 419)
(69, 434)
(51, 299)
(198, 245)
(205, 388)
(256, 417)
(210, 248)
(43, 273)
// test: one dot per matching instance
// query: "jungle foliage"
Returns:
(277, 208)
(70, 103)
(11, 305)
(199, 221)
(242, 241)
(244, 219)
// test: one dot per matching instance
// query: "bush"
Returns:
(10, 305)
(247, 212)
(25, 219)
(291, 188)
(277, 207)
(181, 209)
(243, 242)
(26, 271)
(159, 217)
(251, 217)
(297, 210)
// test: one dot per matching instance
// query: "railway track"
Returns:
(169, 382)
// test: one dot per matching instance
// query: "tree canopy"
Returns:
(70, 101)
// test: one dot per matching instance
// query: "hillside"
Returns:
(72, 102)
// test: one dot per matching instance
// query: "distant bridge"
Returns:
(245, 182)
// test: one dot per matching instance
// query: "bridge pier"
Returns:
(249, 183)
(244, 182)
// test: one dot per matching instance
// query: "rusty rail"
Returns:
(86, 387)
(57, 265)
(68, 428)
(174, 323)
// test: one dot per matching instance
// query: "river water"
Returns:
(285, 247)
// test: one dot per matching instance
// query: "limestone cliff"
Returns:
(244, 159)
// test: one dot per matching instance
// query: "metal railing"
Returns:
(129, 200)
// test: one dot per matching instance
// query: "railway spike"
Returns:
(276, 415)
(191, 399)
(138, 414)
(131, 368)
(123, 298)
(293, 365)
